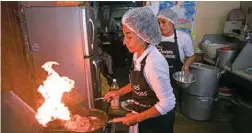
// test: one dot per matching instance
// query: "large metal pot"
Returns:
(225, 57)
(195, 107)
(207, 80)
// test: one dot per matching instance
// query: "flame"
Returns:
(52, 90)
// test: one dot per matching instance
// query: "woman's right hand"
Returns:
(111, 95)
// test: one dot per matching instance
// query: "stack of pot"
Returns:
(197, 100)
(225, 56)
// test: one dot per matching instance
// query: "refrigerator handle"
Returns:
(97, 75)
(92, 43)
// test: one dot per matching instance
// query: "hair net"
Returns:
(168, 14)
(143, 22)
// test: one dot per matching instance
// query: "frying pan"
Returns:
(96, 113)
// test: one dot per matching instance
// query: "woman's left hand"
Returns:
(131, 119)
(185, 68)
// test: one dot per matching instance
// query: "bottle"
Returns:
(115, 104)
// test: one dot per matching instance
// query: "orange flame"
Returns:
(52, 90)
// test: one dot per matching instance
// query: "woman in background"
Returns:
(176, 46)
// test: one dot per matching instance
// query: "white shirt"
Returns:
(156, 73)
(184, 43)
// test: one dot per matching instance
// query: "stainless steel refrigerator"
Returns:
(66, 35)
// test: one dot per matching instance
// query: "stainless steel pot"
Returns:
(195, 107)
(225, 57)
(207, 80)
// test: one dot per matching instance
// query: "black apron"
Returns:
(170, 51)
(143, 94)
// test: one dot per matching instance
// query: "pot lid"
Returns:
(204, 67)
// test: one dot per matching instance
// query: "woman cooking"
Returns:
(176, 46)
(149, 78)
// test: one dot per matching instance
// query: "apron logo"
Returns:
(141, 93)
(167, 54)
(170, 56)
(136, 87)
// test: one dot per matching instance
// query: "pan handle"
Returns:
(116, 120)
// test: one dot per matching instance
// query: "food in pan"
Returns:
(78, 123)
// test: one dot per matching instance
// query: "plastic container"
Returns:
(115, 104)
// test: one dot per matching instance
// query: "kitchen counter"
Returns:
(238, 77)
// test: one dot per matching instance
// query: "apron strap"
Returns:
(143, 62)
(175, 37)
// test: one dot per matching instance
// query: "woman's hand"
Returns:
(185, 68)
(131, 119)
(187, 63)
(111, 95)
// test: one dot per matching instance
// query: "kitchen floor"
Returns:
(185, 125)
(218, 124)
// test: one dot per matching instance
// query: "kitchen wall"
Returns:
(245, 5)
(211, 16)
(17, 73)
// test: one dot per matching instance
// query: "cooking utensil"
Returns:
(184, 80)
(196, 107)
(116, 120)
(225, 56)
(100, 98)
(207, 80)
(99, 114)
(94, 113)
(125, 104)
(210, 49)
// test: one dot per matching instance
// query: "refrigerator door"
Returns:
(56, 34)
(94, 77)
(91, 52)
(89, 31)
